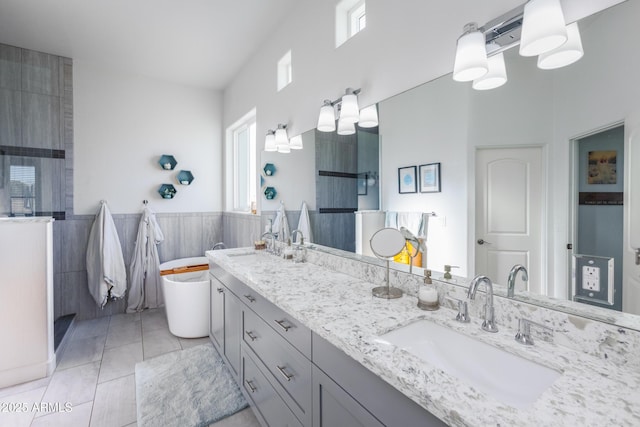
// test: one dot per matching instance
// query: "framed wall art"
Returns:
(430, 178)
(407, 180)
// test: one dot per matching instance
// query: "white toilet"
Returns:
(186, 298)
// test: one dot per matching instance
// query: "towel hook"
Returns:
(145, 202)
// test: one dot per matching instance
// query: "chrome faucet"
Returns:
(511, 281)
(271, 247)
(219, 245)
(489, 323)
(293, 235)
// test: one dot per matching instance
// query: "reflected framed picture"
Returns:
(430, 178)
(407, 180)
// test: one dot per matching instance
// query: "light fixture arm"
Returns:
(347, 91)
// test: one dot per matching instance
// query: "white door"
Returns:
(631, 218)
(509, 214)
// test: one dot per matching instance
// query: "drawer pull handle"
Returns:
(249, 384)
(284, 373)
(220, 290)
(283, 326)
(250, 298)
(250, 335)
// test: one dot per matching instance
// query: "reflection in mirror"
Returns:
(385, 244)
(448, 122)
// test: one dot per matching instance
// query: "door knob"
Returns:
(482, 242)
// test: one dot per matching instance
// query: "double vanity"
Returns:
(310, 346)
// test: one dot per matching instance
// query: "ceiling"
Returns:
(195, 42)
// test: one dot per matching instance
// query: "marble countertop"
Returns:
(341, 309)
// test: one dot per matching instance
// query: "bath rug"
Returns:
(188, 388)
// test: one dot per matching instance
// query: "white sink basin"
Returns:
(250, 258)
(506, 377)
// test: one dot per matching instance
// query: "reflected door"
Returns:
(509, 213)
(631, 239)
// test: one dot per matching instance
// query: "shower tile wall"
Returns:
(36, 129)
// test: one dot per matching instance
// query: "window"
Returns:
(351, 18)
(357, 19)
(243, 144)
(285, 71)
(23, 190)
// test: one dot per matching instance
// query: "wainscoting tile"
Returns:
(115, 403)
(190, 238)
(76, 297)
(211, 231)
(75, 237)
(170, 248)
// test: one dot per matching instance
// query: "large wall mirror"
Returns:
(545, 115)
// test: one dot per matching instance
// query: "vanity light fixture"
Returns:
(348, 114)
(368, 117)
(349, 111)
(543, 27)
(327, 118)
(295, 143)
(346, 128)
(471, 55)
(537, 26)
(270, 141)
(566, 54)
(282, 139)
(497, 75)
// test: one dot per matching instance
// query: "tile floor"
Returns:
(94, 382)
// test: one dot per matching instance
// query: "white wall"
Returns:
(397, 51)
(123, 123)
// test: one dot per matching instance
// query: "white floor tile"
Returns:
(78, 416)
(90, 328)
(82, 351)
(118, 319)
(21, 388)
(186, 343)
(115, 403)
(74, 385)
(159, 342)
(153, 320)
(20, 408)
(120, 361)
(244, 418)
(124, 333)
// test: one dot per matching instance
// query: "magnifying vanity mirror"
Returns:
(385, 244)
(543, 114)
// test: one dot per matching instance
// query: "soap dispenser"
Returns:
(300, 252)
(288, 251)
(428, 294)
(447, 273)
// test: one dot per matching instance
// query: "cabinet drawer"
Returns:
(284, 324)
(287, 365)
(264, 398)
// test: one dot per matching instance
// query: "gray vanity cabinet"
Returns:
(332, 406)
(293, 377)
(225, 326)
